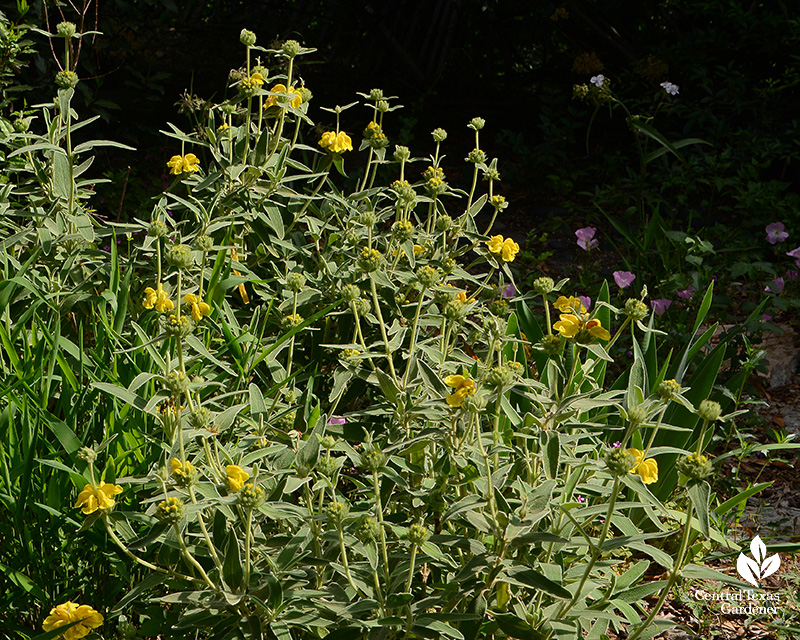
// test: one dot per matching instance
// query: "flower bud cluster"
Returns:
(709, 410)
(373, 459)
(402, 230)
(247, 38)
(636, 310)
(295, 281)
(66, 79)
(694, 466)
(375, 136)
(428, 276)
(501, 376)
(335, 512)
(178, 327)
(669, 389)
(170, 511)
(476, 156)
(417, 534)
(179, 256)
(619, 461)
(368, 529)
(176, 382)
(251, 496)
(369, 259)
(405, 192)
(158, 229)
(552, 345)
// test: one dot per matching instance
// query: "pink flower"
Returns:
(586, 301)
(765, 317)
(776, 286)
(776, 233)
(686, 293)
(509, 291)
(586, 239)
(580, 499)
(792, 274)
(660, 305)
(336, 420)
(616, 445)
(623, 278)
(794, 253)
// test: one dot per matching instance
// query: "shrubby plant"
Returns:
(324, 409)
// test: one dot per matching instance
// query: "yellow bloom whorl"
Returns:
(69, 612)
(100, 497)
(506, 247)
(647, 470)
(236, 477)
(464, 387)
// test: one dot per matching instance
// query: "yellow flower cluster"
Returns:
(252, 83)
(506, 247)
(575, 324)
(236, 477)
(646, 469)
(580, 328)
(182, 471)
(463, 386)
(69, 612)
(198, 308)
(183, 164)
(97, 497)
(296, 99)
(158, 299)
(336, 142)
(572, 304)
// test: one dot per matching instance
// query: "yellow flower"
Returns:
(157, 298)
(236, 477)
(100, 497)
(183, 164)
(495, 244)
(180, 470)
(510, 250)
(190, 162)
(506, 247)
(343, 143)
(580, 329)
(199, 309)
(295, 101)
(327, 139)
(463, 387)
(252, 83)
(646, 469)
(64, 614)
(461, 296)
(336, 142)
(569, 305)
(418, 250)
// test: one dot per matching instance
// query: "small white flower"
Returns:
(671, 89)
(598, 80)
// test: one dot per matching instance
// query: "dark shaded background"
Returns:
(513, 63)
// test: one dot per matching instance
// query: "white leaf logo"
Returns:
(759, 567)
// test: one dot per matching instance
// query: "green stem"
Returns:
(248, 541)
(411, 568)
(596, 550)
(379, 508)
(382, 326)
(673, 577)
(191, 559)
(139, 560)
